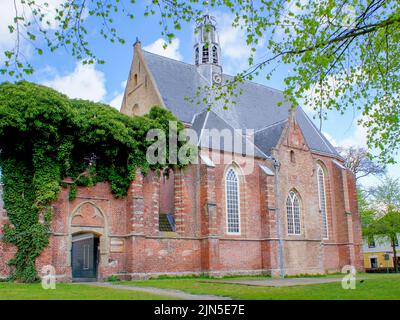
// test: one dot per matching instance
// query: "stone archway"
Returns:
(87, 218)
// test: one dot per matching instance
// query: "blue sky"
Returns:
(105, 83)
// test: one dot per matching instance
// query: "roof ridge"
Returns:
(256, 83)
(168, 58)
(242, 135)
(323, 138)
(261, 98)
(224, 74)
(202, 128)
(271, 125)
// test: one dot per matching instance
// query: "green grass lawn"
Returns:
(375, 286)
(63, 291)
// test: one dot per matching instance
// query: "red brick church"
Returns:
(288, 207)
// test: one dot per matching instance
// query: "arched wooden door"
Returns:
(84, 257)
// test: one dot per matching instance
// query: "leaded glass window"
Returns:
(293, 213)
(322, 201)
(232, 202)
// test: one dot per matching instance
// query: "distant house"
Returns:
(378, 253)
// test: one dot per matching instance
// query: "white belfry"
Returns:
(207, 49)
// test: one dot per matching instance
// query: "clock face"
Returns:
(217, 78)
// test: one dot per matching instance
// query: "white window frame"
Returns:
(377, 261)
(292, 196)
(325, 224)
(238, 202)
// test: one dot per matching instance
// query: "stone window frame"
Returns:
(321, 168)
(233, 168)
(292, 196)
(101, 232)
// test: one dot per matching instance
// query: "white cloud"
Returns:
(235, 51)
(232, 39)
(331, 88)
(49, 21)
(7, 39)
(358, 138)
(85, 82)
(312, 96)
(116, 102)
(171, 51)
(331, 139)
(8, 12)
(290, 17)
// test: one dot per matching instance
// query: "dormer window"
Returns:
(135, 80)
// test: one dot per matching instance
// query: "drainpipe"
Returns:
(277, 166)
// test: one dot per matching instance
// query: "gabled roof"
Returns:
(268, 137)
(256, 108)
(176, 81)
(236, 141)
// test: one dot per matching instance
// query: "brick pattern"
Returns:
(180, 202)
(136, 205)
(131, 244)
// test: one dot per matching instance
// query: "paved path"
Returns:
(288, 282)
(165, 292)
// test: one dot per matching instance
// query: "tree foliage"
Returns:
(342, 54)
(46, 137)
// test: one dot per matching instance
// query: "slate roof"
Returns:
(237, 141)
(256, 108)
(268, 138)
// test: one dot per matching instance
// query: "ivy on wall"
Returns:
(46, 137)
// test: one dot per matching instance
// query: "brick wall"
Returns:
(131, 244)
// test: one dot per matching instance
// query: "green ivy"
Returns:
(46, 137)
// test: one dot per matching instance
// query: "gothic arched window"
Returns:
(205, 58)
(232, 202)
(322, 200)
(215, 54)
(293, 213)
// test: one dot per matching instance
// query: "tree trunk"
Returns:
(394, 254)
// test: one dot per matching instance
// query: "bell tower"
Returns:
(207, 50)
